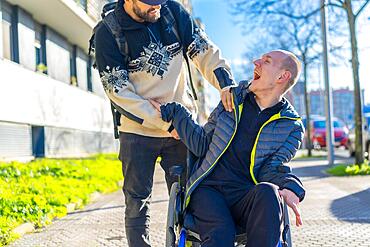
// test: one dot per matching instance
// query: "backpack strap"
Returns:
(116, 120)
(171, 21)
(112, 24)
(107, 8)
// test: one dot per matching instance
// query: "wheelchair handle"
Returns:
(176, 171)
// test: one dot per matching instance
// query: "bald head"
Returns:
(291, 63)
(276, 69)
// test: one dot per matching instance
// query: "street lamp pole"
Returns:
(328, 94)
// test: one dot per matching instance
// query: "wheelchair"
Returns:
(179, 231)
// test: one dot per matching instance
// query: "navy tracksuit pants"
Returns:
(259, 212)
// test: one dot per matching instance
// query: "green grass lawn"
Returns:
(350, 170)
(38, 191)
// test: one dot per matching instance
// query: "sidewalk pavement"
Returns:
(336, 212)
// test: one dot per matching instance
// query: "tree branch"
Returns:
(336, 5)
(292, 16)
(361, 9)
(340, 2)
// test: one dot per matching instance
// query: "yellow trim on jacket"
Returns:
(253, 153)
(237, 118)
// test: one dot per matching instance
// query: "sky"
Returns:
(226, 34)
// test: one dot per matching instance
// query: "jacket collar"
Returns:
(242, 90)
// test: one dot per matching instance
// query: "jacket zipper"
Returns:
(240, 107)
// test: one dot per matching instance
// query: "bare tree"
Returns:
(290, 25)
(260, 11)
(352, 16)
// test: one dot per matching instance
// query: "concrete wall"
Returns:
(61, 142)
(76, 122)
(96, 83)
(37, 99)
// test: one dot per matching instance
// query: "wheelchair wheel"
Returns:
(171, 216)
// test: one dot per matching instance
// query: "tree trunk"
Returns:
(307, 108)
(359, 149)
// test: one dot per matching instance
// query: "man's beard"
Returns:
(145, 15)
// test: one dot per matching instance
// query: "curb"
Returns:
(95, 196)
(23, 229)
(29, 227)
(71, 207)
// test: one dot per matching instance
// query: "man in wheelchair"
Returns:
(241, 173)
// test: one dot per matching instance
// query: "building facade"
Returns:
(343, 103)
(52, 101)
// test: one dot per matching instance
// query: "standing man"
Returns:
(140, 52)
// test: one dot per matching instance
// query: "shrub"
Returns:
(350, 170)
(38, 191)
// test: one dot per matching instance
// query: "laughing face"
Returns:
(267, 71)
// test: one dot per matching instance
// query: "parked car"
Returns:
(318, 132)
(366, 138)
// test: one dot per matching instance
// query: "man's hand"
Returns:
(174, 134)
(227, 99)
(292, 201)
(157, 106)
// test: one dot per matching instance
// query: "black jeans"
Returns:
(259, 212)
(138, 155)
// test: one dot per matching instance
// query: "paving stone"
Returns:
(101, 223)
(336, 212)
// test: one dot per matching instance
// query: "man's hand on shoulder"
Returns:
(227, 98)
(292, 201)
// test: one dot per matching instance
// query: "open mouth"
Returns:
(256, 75)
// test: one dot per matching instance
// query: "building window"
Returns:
(7, 40)
(7, 31)
(40, 48)
(82, 4)
(72, 61)
(89, 75)
(81, 69)
(57, 56)
(38, 53)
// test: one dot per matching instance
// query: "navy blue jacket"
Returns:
(277, 142)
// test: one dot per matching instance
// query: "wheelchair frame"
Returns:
(178, 236)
